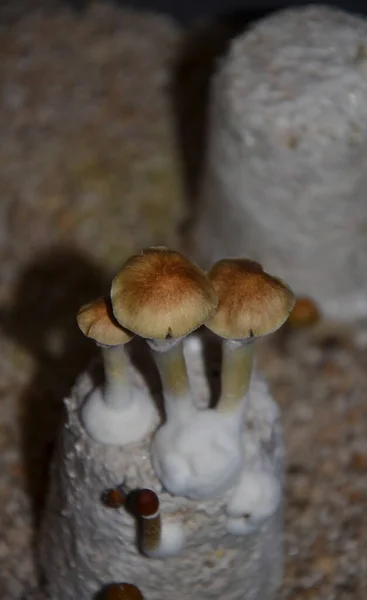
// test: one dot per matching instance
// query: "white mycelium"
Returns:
(199, 456)
(122, 425)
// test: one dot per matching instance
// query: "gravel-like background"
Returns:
(88, 173)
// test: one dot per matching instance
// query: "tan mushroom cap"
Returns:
(160, 294)
(252, 303)
(97, 322)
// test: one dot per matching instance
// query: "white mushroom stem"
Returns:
(117, 391)
(236, 370)
(171, 364)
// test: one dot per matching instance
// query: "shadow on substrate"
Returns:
(197, 60)
(41, 318)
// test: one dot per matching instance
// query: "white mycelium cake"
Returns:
(285, 179)
(185, 505)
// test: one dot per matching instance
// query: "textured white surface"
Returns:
(252, 501)
(286, 169)
(86, 545)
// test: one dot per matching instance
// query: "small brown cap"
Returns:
(97, 322)
(146, 503)
(122, 591)
(113, 497)
(160, 294)
(304, 314)
(251, 302)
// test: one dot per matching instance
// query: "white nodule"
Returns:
(114, 426)
(201, 457)
(254, 499)
(240, 526)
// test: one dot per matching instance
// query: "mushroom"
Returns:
(157, 539)
(114, 497)
(252, 304)
(121, 591)
(162, 297)
(118, 414)
(96, 321)
(305, 314)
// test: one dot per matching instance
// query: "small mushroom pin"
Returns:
(305, 314)
(114, 497)
(157, 539)
(121, 591)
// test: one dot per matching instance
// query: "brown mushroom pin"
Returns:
(122, 591)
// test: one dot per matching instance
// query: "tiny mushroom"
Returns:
(157, 539)
(162, 297)
(305, 314)
(96, 321)
(119, 414)
(252, 304)
(147, 508)
(114, 497)
(122, 591)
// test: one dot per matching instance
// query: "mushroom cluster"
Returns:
(161, 296)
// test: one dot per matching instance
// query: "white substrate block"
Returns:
(285, 180)
(86, 545)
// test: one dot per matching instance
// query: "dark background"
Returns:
(187, 11)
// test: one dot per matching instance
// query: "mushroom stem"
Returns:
(236, 373)
(157, 539)
(117, 392)
(171, 365)
(148, 511)
(150, 532)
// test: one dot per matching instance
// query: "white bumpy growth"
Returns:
(254, 499)
(200, 456)
(118, 426)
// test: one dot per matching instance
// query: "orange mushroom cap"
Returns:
(252, 303)
(97, 322)
(304, 314)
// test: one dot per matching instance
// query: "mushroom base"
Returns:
(233, 544)
(113, 426)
